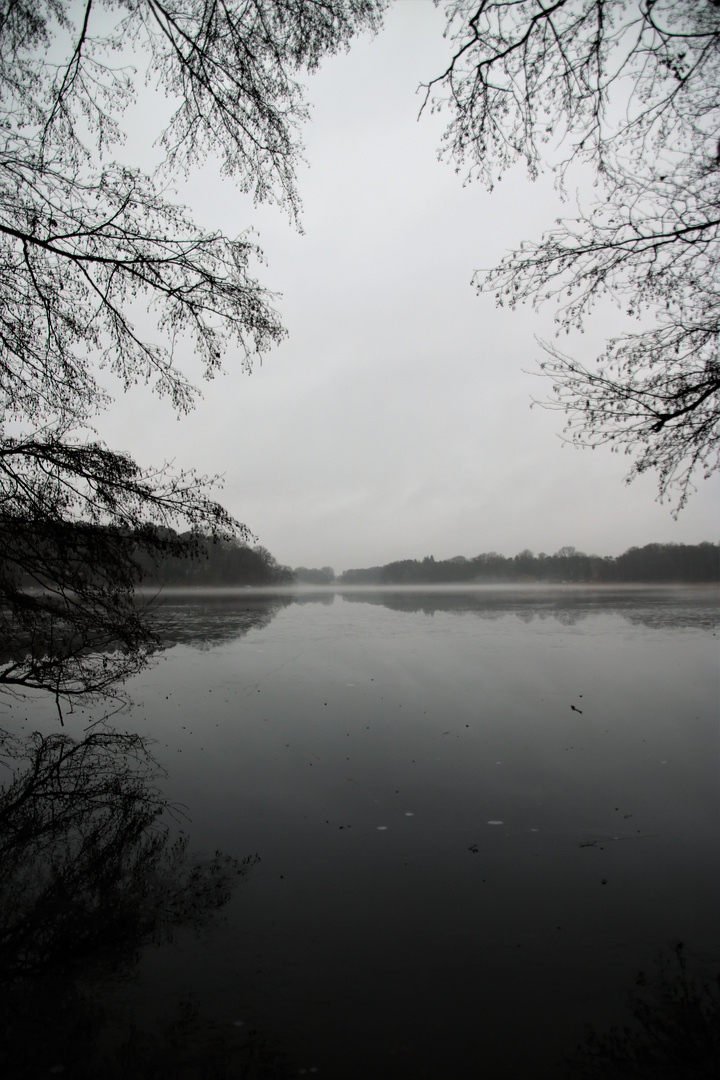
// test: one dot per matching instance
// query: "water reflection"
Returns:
(659, 608)
(480, 812)
(474, 830)
(90, 874)
(205, 618)
(673, 1028)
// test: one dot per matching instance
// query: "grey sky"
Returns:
(394, 421)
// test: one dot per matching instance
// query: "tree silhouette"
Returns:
(84, 242)
(629, 90)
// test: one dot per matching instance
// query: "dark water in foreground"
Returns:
(477, 814)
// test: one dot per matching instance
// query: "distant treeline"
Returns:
(324, 576)
(220, 562)
(654, 563)
(234, 563)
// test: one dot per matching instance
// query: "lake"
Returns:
(477, 815)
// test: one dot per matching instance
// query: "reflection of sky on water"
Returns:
(363, 751)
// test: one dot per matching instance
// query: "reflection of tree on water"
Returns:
(204, 619)
(89, 875)
(86, 857)
(486, 604)
(675, 1033)
(656, 609)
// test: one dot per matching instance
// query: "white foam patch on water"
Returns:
(496, 822)
(382, 828)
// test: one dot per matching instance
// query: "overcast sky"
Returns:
(395, 422)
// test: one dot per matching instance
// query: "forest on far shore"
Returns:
(214, 563)
(231, 562)
(653, 563)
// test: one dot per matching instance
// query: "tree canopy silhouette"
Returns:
(629, 90)
(85, 241)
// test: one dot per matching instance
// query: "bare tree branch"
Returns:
(85, 240)
(631, 89)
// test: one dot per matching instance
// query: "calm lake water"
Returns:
(478, 815)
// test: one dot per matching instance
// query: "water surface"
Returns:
(478, 815)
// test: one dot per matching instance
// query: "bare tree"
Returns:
(631, 90)
(84, 239)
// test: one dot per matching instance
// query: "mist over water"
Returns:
(478, 814)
